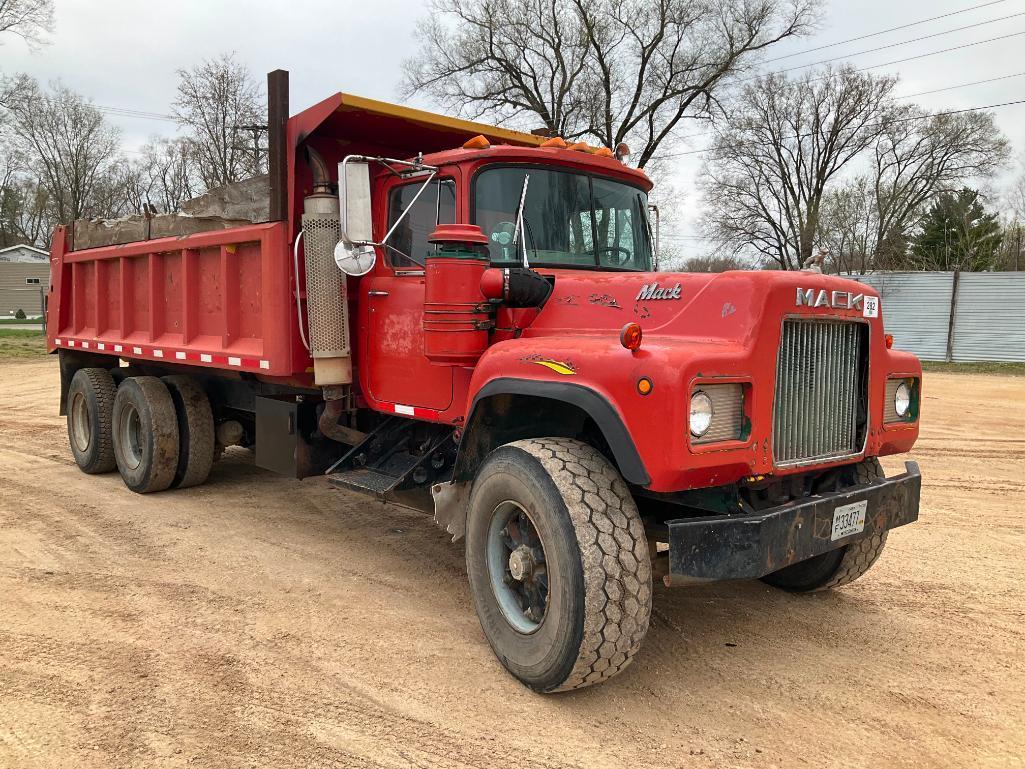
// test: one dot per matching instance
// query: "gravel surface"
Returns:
(259, 621)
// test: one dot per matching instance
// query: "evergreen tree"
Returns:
(957, 233)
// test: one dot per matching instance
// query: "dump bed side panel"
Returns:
(219, 299)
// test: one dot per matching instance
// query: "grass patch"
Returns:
(19, 343)
(16, 322)
(983, 367)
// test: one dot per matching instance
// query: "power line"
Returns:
(124, 112)
(897, 61)
(895, 45)
(905, 96)
(884, 31)
(897, 120)
(962, 85)
(119, 111)
(134, 113)
(937, 53)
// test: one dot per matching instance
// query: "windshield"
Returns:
(569, 219)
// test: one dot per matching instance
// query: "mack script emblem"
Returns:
(655, 291)
(840, 300)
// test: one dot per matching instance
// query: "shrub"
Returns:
(20, 314)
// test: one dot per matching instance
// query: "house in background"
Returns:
(24, 280)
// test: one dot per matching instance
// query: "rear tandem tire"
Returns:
(837, 567)
(145, 432)
(90, 410)
(195, 431)
(558, 506)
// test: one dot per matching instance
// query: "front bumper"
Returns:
(723, 547)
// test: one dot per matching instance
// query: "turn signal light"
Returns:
(479, 142)
(630, 336)
(644, 385)
(889, 341)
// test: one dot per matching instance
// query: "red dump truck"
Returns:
(467, 320)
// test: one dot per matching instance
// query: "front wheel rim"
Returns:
(518, 567)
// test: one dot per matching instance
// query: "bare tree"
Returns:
(848, 224)
(216, 99)
(10, 87)
(867, 222)
(715, 263)
(167, 176)
(769, 167)
(31, 20)
(918, 156)
(595, 69)
(119, 191)
(67, 146)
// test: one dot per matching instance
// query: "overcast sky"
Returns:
(124, 54)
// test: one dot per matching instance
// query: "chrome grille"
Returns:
(820, 391)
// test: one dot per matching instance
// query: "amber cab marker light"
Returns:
(889, 341)
(630, 336)
(479, 142)
(556, 142)
(644, 385)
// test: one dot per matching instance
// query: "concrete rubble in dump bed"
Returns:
(232, 205)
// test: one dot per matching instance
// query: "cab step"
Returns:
(364, 479)
(399, 455)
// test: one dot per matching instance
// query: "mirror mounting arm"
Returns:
(415, 165)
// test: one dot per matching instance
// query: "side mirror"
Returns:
(354, 253)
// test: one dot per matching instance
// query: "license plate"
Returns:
(849, 519)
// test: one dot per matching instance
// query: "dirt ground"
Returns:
(256, 621)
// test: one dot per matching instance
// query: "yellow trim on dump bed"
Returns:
(350, 103)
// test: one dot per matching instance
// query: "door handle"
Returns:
(377, 293)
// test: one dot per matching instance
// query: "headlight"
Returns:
(700, 414)
(902, 399)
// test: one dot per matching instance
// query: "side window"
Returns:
(619, 225)
(437, 205)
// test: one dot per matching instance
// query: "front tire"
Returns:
(837, 567)
(558, 563)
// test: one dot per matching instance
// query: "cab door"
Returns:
(395, 369)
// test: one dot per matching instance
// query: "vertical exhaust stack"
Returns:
(326, 305)
(326, 300)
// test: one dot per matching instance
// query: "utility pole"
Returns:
(1017, 246)
(256, 130)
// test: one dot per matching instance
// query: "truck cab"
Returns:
(470, 321)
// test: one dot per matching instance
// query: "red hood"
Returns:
(729, 305)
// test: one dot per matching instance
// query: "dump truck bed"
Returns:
(228, 298)
(218, 299)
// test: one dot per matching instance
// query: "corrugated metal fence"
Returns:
(962, 317)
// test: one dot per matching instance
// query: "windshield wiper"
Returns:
(520, 240)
